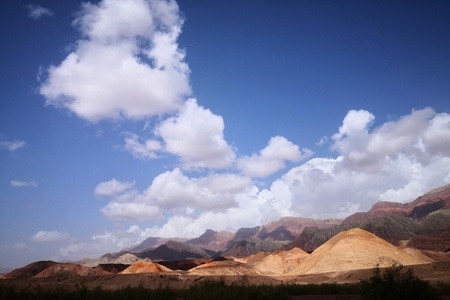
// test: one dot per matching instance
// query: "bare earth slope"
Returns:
(278, 262)
(145, 267)
(355, 249)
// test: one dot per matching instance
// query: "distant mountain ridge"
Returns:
(409, 223)
(244, 241)
(395, 222)
(415, 233)
(348, 251)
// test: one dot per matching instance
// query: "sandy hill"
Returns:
(145, 267)
(278, 262)
(222, 268)
(356, 249)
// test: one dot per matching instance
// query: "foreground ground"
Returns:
(436, 273)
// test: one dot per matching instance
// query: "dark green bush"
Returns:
(396, 283)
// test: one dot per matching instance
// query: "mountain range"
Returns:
(414, 233)
(423, 223)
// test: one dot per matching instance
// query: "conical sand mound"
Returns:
(280, 262)
(355, 249)
(145, 267)
(228, 267)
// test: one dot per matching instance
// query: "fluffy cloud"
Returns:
(18, 183)
(272, 158)
(142, 150)
(420, 134)
(414, 160)
(174, 192)
(396, 161)
(112, 187)
(126, 203)
(195, 135)
(12, 145)
(128, 64)
(36, 11)
(49, 236)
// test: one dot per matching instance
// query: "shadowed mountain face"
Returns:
(244, 241)
(416, 210)
(394, 222)
(212, 240)
(174, 250)
(31, 270)
(251, 246)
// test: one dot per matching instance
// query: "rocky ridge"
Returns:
(395, 222)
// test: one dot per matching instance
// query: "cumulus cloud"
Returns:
(127, 64)
(397, 161)
(112, 187)
(49, 236)
(146, 149)
(414, 160)
(196, 136)
(36, 11)
(12, 145)
(272, 158)
(175, 192)
(18, 183)
(126, 203)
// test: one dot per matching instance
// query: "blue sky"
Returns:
(121, 120)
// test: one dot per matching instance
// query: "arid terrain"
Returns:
(414, 235)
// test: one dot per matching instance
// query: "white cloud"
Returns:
(49, 236)
(174, 192)
(272, 158)
(126, 203)
(397, 161)
(414, 163)
(112, 187)
(411, 134)
(146, 150)
(413, 160)
(18, 183)
(12, 145)
(128, 64)
(196, 136)
(131, 211)
(36, 11)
